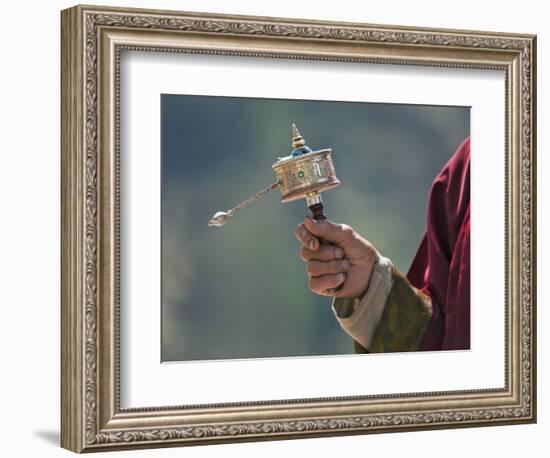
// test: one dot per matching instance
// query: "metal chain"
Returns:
(250, 200)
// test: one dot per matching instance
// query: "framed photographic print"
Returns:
(279, 228)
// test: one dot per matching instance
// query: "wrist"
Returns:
(369, 274)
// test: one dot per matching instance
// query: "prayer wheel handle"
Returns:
(316, 207)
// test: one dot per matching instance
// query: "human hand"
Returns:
(342, 267)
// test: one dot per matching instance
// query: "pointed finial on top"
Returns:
(297, 140)
(295, 131)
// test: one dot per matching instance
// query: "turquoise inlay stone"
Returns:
(300, 151)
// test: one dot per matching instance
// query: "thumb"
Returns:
(328, 230)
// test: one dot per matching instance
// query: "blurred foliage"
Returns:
(241, 291)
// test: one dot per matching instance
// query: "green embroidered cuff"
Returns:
(406, 317)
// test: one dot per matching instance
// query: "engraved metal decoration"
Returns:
(93, 39)
(303, 174)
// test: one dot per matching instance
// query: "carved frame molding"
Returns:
(92, 40)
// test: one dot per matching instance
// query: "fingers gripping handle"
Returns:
(318, 214)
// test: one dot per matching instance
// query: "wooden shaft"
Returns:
(317, 211)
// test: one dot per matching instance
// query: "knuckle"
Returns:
(343, 227)
(346, 230)
(330, 253)
(304, 254)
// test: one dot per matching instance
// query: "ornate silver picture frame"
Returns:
(93, 39)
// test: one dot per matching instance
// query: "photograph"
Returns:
(387, 270)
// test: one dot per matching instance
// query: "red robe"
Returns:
(441, 266)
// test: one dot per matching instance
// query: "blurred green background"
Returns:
(241, 291)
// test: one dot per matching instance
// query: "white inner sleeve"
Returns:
(367, 313)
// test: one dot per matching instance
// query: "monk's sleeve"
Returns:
(407, 315)
(391, 316)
